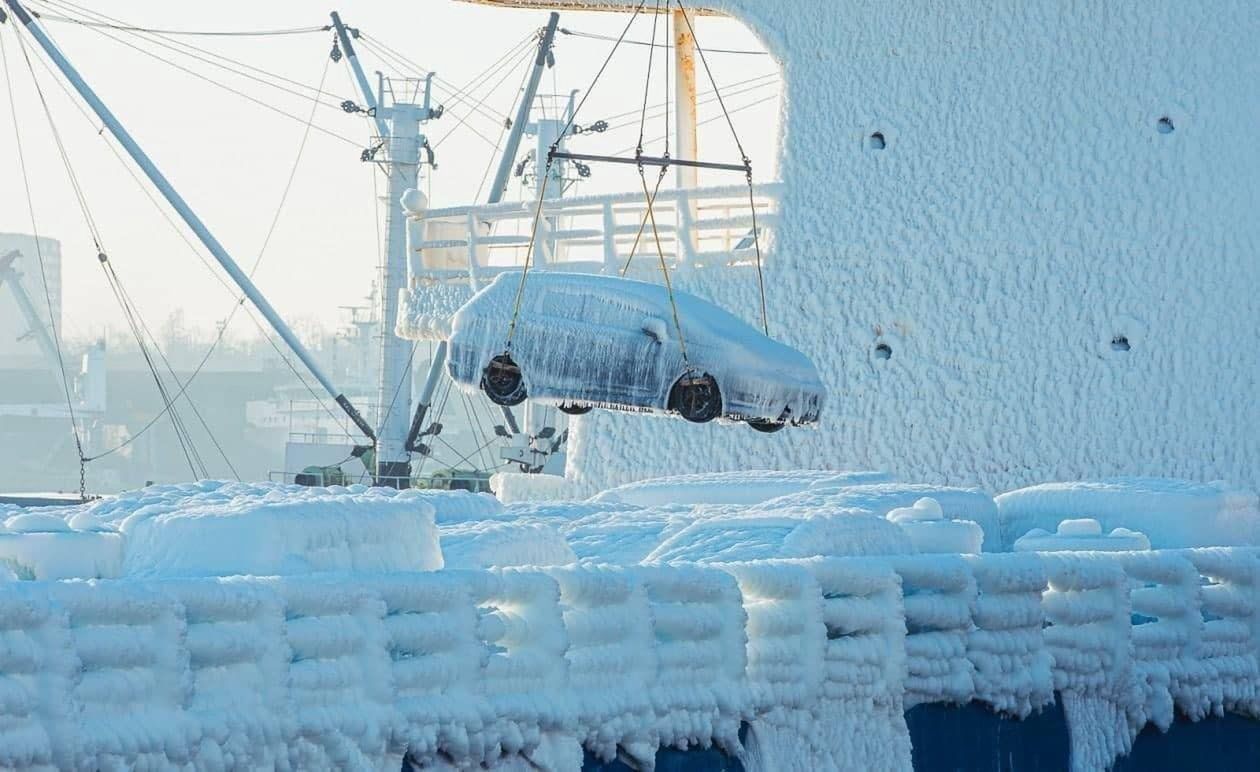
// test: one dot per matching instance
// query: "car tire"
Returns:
(764, 426)
(575, 409)
(696, 398)
(503, 382)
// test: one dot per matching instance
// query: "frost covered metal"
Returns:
(584, 340)
(821, 656)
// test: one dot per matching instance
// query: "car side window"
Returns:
(614, 311)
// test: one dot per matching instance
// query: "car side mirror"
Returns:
(655, 328)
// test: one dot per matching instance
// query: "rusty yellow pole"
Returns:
(686, 178)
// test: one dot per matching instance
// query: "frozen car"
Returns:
(585, 341)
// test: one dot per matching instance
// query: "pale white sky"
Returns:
(231, 158)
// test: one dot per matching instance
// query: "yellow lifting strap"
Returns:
(660, 253)
(529, 251)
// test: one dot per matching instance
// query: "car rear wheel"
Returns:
(766, 427)
(575, 409)
(696, 398)
(503, 382)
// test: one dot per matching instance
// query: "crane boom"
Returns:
(186, 213)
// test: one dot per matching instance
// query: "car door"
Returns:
(615, 345)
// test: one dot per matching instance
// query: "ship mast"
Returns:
(398, 122)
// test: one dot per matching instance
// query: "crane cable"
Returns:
(650, 198)
(648, 214)
(194, 250)
(135, 322)
(39, 253)
(752, 206)
(542, 187)
(189, 452)
(145, 50)
(669, 288)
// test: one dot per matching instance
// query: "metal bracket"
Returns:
(646, 160)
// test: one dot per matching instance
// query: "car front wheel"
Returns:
(696, 398)
(503, 382)
(575, 409)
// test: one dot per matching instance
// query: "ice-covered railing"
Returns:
(1006, 646)
(1087, 615)
(938, 593)
(1166, 625)
(858, 720)
(455, 250)
(611, 659)
(1229, 640)
(819, 656)
(698, 626)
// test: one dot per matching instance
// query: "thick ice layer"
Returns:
(215, 528)
(492, 668)
(938, 594)
(289, 532)
(509, 487)
(743, 487)
(746, 538)
(625, 537)
(36, 544)
(1006, 645)
(1082, 535)
(881, 498)
(1172, 513)
(1088, 636)
(604, 340)
(460, 506)
(929, 531)
(425, 310)
(500, 544)
(70, 555)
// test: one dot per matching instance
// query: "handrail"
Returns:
(697, 226)
(772, 189)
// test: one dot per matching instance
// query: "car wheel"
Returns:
(696, 398)
(764, 426)
(575, 409)
(503, 382)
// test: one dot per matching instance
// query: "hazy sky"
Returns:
(231, 158)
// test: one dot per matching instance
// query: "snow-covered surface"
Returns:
(426, 313)
(1064, 289)
(501, 544)
(603, 340)
(1172, 513)
(1082, 535)
(625, 536)
(717, 539)
(510, 487)
(882, 498)
(58, 555)
(37, 544)
(929, 531)
(743, 487)
(216, 528)
(608, 625)
(267, 529)
(459, 506)
(820, 655)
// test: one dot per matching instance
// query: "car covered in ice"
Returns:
(585, 340)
